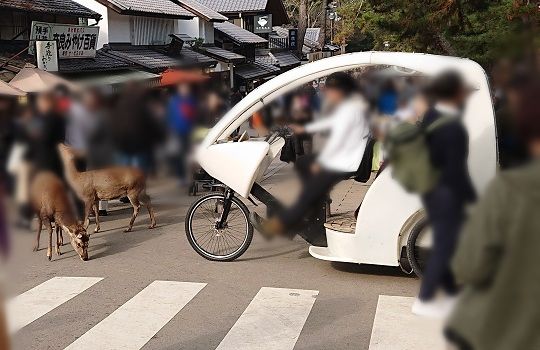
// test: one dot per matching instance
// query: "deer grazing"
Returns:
(50, 201)
(106, 184)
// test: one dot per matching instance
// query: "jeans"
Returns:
(139, 160)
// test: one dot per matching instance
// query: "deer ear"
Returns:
(70, 232)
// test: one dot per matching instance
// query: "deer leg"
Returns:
(145, 199)
(49, 248)
(40, 223)
(60, 231)
(87, 207)
(58, 243)
(96, 213)
(133, 198)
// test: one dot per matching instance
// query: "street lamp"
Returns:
(333, 17)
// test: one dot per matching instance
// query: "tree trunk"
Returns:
(322, 21)
(302, 23)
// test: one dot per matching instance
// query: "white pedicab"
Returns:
(390, 224)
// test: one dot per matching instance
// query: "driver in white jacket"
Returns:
(340, 158)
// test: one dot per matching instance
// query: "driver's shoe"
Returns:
(268, 228)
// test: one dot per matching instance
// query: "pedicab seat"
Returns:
(342, 222)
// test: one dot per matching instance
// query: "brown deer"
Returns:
(50, 201)
(106, 184)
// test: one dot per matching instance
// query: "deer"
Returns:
(50, 202)
(106, 184)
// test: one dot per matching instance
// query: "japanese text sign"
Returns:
(73, 41)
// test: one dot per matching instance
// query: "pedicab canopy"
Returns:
(7, 90)
(478, 118)
(32, 80)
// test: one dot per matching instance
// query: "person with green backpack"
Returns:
(430, 159)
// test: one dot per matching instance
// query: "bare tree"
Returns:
(322, 21)
(302, 25)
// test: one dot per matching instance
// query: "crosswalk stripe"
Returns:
(133, 324)
(273, 320)
(396, 328)
(36, 302)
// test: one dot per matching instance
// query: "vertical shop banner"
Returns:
(293, 39)
(47, 55)
(73, 41)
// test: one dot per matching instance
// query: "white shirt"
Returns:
(349, 131)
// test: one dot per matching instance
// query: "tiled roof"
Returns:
(222, 54)
(184, 37)
(191, 57)
(57, 7)
(286, 59)
(102, 62)
(266, 59)
(238, 35)
(201, 10)
(156, 61)
(235, 6)
(163, 8)
(255, 70)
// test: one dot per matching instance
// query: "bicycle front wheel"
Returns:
(213, 243)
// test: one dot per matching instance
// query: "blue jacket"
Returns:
(181, 113)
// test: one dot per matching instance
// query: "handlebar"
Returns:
(278, 131)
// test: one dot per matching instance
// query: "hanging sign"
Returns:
(73, 41)
(47, 55)
(293, 39)
(262, 23)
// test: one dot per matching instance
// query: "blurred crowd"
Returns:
(140, 127)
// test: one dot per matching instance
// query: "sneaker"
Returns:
(431, 309)
(261, 225)
(449, 303)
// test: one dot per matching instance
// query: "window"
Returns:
(151, 31)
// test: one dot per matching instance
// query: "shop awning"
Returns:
(8, 90)
(174, 77)
(37, 80)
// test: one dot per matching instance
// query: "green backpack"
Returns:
(409, 157)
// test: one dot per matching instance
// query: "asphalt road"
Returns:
(341, 317)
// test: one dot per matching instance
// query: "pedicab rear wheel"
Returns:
(418, 248)
(218, 244)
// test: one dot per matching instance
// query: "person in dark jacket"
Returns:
(50, 131)
(445, 203)
(134, 129)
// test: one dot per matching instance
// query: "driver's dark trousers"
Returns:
(315, 189)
